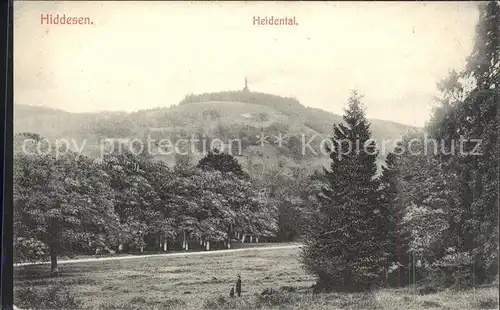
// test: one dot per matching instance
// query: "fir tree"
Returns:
(391, 211)
(470, 111)
(341, 243)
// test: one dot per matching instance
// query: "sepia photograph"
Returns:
(256, 155)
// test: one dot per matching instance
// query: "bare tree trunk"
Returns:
(207, 247)
(53, 262)
(229, 244)
(256, 239)
(165, 243)
(243, 238)
(184, 243)
(251, 238)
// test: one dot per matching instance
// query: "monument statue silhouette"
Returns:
(246, 85)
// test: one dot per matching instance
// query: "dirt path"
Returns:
(100, 259)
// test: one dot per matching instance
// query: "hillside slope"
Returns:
(238, 116)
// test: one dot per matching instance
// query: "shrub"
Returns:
(53, 297)
(223, 303)
(277, 298)
(430, 304)
(29, 249)
(453, 270)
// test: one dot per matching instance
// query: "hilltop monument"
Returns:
(246, 85)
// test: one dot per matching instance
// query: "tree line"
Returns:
(72, 204)
(431, 217)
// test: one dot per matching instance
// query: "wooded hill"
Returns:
(224, 115)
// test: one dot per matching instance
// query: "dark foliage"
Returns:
(222, 162)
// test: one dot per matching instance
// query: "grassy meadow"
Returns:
(203, 282)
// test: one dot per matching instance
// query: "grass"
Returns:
(382, 299)
(204, 281)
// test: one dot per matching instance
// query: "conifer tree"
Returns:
(391, 211)
(341, 242)
(469, 112)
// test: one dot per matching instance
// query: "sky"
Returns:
(141, 55)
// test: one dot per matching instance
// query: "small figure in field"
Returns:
(231, 292)
(238, 286)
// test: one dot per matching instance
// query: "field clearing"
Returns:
(187, 282)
